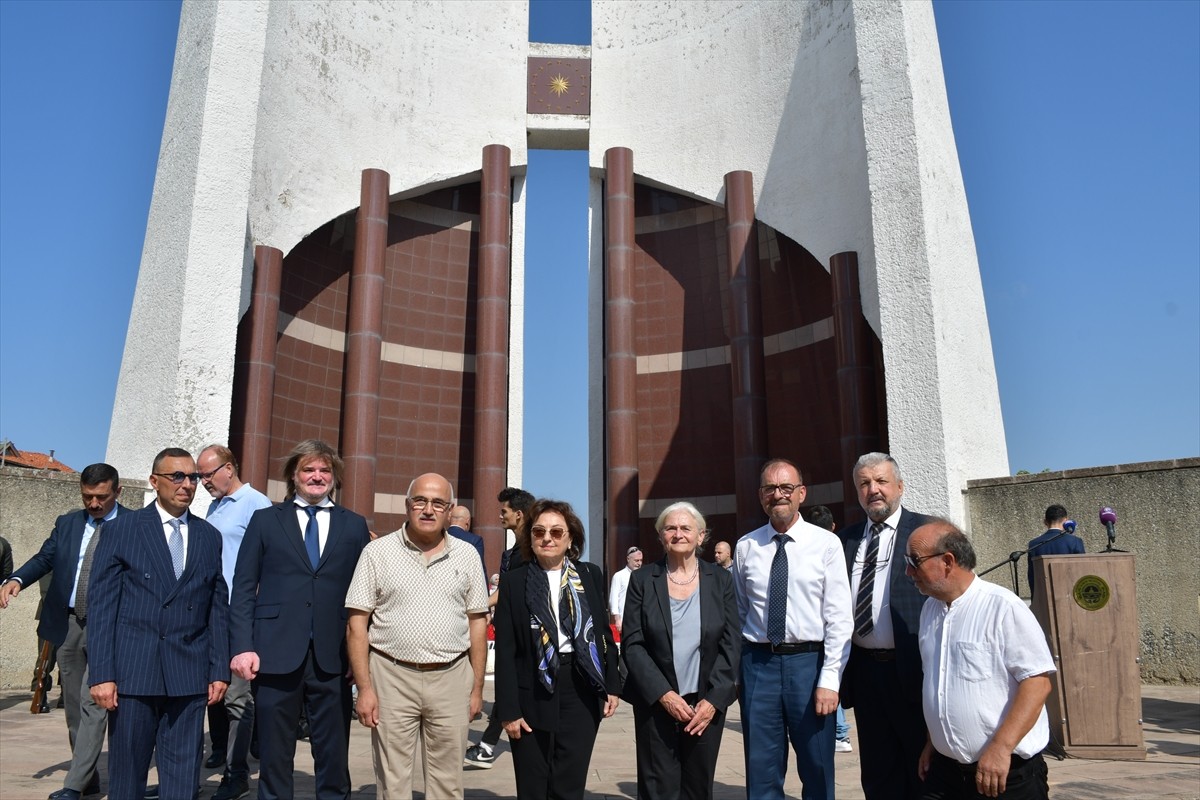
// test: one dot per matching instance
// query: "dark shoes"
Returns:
(217, 759)
(65, 794)
(232, 789)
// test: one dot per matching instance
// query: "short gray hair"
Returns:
(874, 459)
(682, 505)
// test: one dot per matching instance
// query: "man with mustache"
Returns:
(883, 677)
(794, 604)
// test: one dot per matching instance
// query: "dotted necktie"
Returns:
(85, 572)
(312, 535)
(777, 591)
(864, 621)
(176, 544)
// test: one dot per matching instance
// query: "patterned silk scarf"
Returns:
(575, 619)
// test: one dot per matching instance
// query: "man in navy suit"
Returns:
(288, 622)
(460, 528)
(157, 590)
(1054, 541)
(62, 557)
(882, 682)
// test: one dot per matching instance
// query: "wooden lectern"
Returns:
(1087, 606)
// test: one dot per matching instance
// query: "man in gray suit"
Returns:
(63, 556)
(882, 682)
(157, 588)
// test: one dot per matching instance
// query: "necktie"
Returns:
(864, 621)
(85, 573)
(175, 542)
(312, 535)
(777, 590)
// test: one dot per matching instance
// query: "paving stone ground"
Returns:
(33, 759)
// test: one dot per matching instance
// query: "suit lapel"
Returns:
(289, 528)
(75, 541)
(335, 531)
(663, 594)
(151, 529)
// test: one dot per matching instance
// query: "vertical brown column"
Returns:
(491, 350)
(364, 344)
(254, 372)
(745, 349)
(620, 360)
(855, 376)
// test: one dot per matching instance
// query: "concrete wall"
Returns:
(30, 502)
(1157, 505)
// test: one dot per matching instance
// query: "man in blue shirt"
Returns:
(234, 502)
(1054, 542)
(460, 528)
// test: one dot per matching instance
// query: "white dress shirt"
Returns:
(616, 592)
(975, 652)
(166, 518)
(819, 607)
(881, 636)
(322, 521)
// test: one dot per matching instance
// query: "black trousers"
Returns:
(325, 697)
(553, 764)
(891, 730)
(950, 780)
(672, 764)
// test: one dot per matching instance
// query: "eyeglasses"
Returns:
(207, 476)
(178, 478)
(785, 489)
(556, 533)
(915, 561)
(881, 561)
(419, 503)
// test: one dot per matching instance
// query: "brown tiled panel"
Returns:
(425, 412)
(685, 416)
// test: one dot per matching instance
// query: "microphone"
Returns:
(1108, 518)
(1069, 526)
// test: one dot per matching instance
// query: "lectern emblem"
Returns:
(1091, 592)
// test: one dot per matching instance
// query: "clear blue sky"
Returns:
(1078, 128)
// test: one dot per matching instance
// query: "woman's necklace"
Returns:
(695, 572)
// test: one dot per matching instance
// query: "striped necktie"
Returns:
(864, 621)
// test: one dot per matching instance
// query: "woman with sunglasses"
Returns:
(681, 641)
(556, 662)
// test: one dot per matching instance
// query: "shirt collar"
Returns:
(166, 517)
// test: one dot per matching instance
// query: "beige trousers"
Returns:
(434, 704)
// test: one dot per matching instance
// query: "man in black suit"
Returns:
(158, 636)
(62, 557)
(882, 682)
(288, 622)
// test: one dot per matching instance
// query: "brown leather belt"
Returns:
(419, 667)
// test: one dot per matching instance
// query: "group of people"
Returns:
(260, 612)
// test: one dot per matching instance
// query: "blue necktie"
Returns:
(312, 535)
(176, 545)
(777, 591)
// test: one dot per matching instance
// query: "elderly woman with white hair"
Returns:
(680, 642)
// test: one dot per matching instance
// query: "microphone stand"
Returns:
(1015, 556)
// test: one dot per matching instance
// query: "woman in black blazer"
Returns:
(556, 662)
(680, 639)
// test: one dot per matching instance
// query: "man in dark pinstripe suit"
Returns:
(158, 638)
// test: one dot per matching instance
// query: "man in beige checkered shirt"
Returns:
(419, 664)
